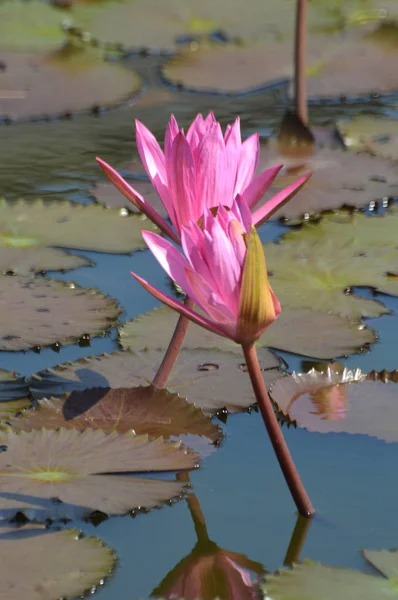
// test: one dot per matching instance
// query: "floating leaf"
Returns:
(340, 178)
(385, 561)
(20, 262)
(70, 225)
(313, 581)
(343, 401)
(41, 465)
(304, 277)
(41, 312)
(32, 85)
(316, 334)
(108, 195)
(55, 564)
(140, 409)
(199, 375)
(371, 134)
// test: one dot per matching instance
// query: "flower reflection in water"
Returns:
(330, 402)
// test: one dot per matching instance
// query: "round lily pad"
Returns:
(371, 134)
(303, 277)
(42, 312)
(70, 225)
(108, 195)
(312, 581)
(138, 409)
(39, 466)
(34, 85)
(55, 564)
(344, 401)
(340, 178)
(317, 334)
(200, 376)
(38, 260)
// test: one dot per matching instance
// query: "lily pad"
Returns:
(13, 387)
(200, 376)
(108, 195)
(313, 581)
(385, 561)
(340, 178)
(33, 85)
(20, 262)
(371, 134)
(55, 564)
(70, 225)
(41, 465)
(304, 278)
(139, 409)
(42, 312)
(317, 334)
(344, 401)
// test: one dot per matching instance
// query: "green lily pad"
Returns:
(385, 561)
(20, 262)
(371, 134)
(55, 564)
(313, 581)
(68, 464)
(36, 84)
(70, 225)
(42, 312)
(139, 409)
(342, 401)
(108, 195)
(340, 178)
(304, 278)
(200, 376)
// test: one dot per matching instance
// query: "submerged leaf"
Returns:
(41, 312)
(342, 401)
(54, 564)
(41, 465)
(13, 387)
(140, 409)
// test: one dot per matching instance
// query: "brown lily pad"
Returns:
(42, 312)
(38, 260)
(55, 564)
(34, 85)
(140, 409)
(340, 178)
(342, 401)
(68, 464)
(199, 375)
(108, 195)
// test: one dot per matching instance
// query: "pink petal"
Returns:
(181, 175)
(257, 188)
(233, 144)
(211, 168)
(136, 198)
(241, 211)
(248, 161)
(267, 210)
(170, 259)
(183, 310)
(171, 132)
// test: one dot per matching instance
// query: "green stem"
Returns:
(172, 352)
(286, 463)
(300, 51)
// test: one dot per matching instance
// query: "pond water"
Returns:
(241, 491)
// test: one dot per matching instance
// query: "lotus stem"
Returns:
(300, 51)
(195, 510)
(286, 463)
(297, 541)
(173, 350)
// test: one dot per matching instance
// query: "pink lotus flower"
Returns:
(223, 272)
(201, 169)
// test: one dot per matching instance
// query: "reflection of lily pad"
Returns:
(371, 134)
(316, 334)
(13, 387)
(339, 402)
(69, 225)
(199, 375)
(340, 178)
(140, 409)
(41, 312)
(30, 25)
(38, 259)
(108, 195)
(32, 85)
(313, 581)
(305, 278)
(38, 564)
(41, 465)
